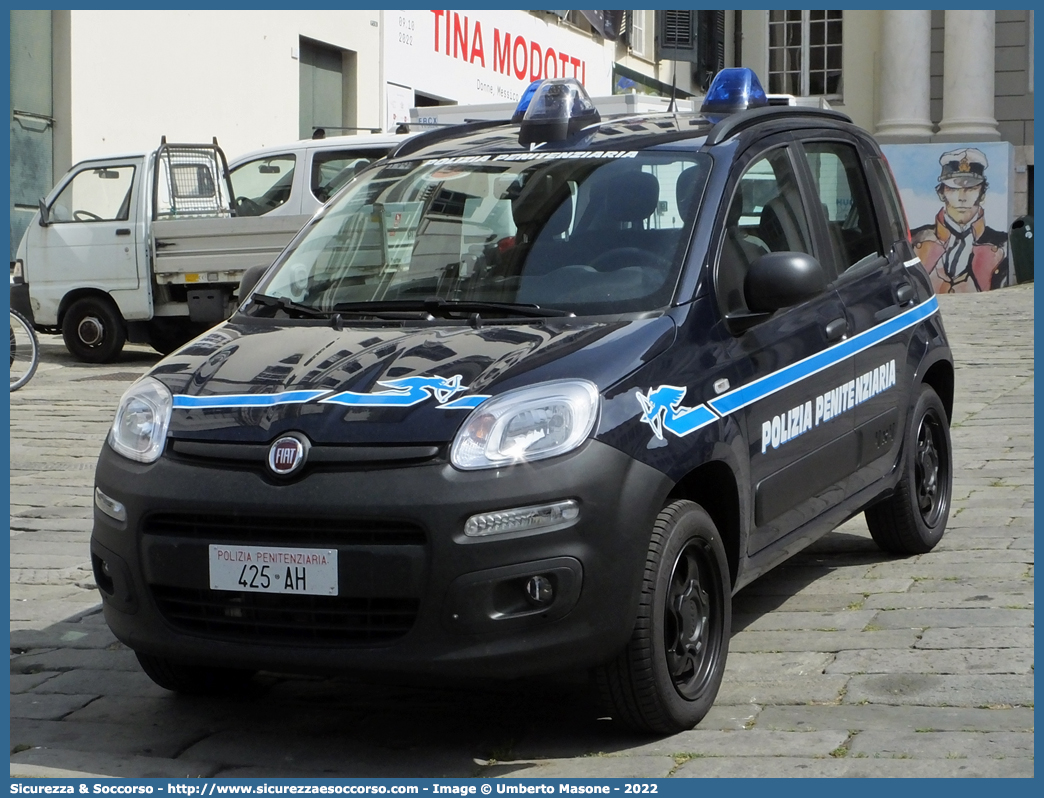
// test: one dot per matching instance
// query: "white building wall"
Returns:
(193, 75)
(460, 56)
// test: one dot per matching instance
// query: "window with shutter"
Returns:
(676, 35)
(637, 39)
(677, 29)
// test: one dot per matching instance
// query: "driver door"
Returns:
(92, 236)
(780, 380)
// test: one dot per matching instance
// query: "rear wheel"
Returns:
(93, 330)
(912, 520)
(166, 335)
(182, 677)
(667, 677)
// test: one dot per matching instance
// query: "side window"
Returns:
(95, 195)
(331, 171)
(765, 215)
(893, 205)
(262, 185)
(845, 196)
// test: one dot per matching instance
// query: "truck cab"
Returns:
(150, 247)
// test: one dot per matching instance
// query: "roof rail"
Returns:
(734, 123)
(421, 140)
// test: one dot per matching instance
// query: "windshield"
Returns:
(581, 232)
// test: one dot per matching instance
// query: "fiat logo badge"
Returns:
(286, 455)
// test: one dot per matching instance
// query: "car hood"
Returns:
(249, 380)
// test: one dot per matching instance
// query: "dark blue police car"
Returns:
(537, 395)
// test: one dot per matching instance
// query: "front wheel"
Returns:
(181, 677)
(912, 520)
(667, 677)
(93, 330)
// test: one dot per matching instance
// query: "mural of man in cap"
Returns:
(959, 251)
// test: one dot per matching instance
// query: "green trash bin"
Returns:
(1021, 246)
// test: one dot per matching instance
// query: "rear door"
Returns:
(869, 252)
(778, 377)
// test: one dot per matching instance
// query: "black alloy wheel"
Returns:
(667, 677)
(913, 518)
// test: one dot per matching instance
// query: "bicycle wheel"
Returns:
(25, 351)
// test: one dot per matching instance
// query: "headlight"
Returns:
(527, 424)
(140, 427)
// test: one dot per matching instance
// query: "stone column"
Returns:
(905, 93)
(968, 78)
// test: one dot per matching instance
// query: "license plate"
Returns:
(269, 569)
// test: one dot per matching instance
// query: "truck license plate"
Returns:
(267, 569)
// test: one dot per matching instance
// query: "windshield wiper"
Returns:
(297, 309)
(289, 306)
(444, 307)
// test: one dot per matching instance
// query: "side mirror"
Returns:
(249, 279)
(44, 216)
(781, 279)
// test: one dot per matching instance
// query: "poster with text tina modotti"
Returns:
(958, 201)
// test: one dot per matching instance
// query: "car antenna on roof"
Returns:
(671, 108)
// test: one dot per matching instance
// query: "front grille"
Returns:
(288, 531)
(281, 618)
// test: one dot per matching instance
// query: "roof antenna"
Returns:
(674, 89)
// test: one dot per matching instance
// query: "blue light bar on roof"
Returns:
(524, 101)
(734, 90)
(554, 110)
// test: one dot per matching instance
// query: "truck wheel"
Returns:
(667, 677)
(912, 520)
(93, 330)
(165, 336)
(181, 677)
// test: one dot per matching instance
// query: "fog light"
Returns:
(109, 506)
(541, 518)
(539, 590)
(105, 569)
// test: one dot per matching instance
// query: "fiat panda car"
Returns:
(537, 395)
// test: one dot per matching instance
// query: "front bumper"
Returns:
(414, 593)
(20, 300)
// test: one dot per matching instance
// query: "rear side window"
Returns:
(843, 192)
(893, 206)
(333, 170)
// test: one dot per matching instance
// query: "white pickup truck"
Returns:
(150, 247)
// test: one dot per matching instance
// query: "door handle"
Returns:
(836, 330)
(123, 231)
(905, 293)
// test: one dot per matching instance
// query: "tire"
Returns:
(180, 677)
(25, 351)
(912, 520)
(667, 677)
(166, 335)
(93, 330)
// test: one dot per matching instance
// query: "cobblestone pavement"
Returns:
(844, 662)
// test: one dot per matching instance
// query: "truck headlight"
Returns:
(527, 424)
(139, 429)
